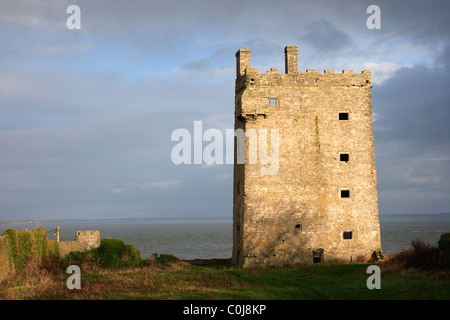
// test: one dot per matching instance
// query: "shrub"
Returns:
(444, 248)
(13, 246)
(53, 248)
(111, 253)
(40, 242)
(164, 258)
(26, 246)
(421, 256)
(81, 257)
(133, 257)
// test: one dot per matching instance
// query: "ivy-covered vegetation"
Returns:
(111, 253)
(26, 245)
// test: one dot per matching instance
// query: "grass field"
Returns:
(182, 281)
(116, 271)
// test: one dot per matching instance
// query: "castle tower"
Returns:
(321, 203)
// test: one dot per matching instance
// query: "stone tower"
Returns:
(321, 204)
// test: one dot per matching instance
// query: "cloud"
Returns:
(46, 50)
(223, 176)
(412, 139)
(323, 36)
(84, 113)
(381, 71)
(142, 186)
(167, 184)
(119, 190)
(37, 14)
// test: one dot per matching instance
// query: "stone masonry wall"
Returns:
(84, 241)
(298, 215)
(91, 238)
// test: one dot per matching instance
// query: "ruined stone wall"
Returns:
(84, 241)
(65, 247)
(297, 215)
(91, 238)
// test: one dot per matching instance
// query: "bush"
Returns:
(111, 253)
(164, 258)
(13, 246)
(79, 258)
(40, 242)
(25, 246)
(53, 248)
(444, 248)
(421, 256)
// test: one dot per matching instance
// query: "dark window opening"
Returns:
(273, 102)
(318, 256)
(343, 115)
(345, 193)
(315, 80)
(298, 227)
(344, 157)
(348, 235)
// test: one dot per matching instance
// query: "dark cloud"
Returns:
(324, 37)
(413, 139)
(413, 107)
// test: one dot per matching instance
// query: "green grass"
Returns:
(335, 282)
(181, 281)
(117, 271)
(318, 282)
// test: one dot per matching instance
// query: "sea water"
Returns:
(213, 238)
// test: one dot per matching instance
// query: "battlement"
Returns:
(246, 76)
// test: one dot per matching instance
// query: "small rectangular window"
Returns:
(343, 115)
(345, 193)
(298, 227)
(348, 235)
(272, 101)
(344, 157)
(317, 256)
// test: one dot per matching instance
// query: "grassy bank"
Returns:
(180, 280)
(117, 271)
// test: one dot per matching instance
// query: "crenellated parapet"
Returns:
(248, 76)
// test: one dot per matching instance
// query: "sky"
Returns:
(87, 114)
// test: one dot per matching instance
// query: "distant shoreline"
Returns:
(181, 219)
(117, 219)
